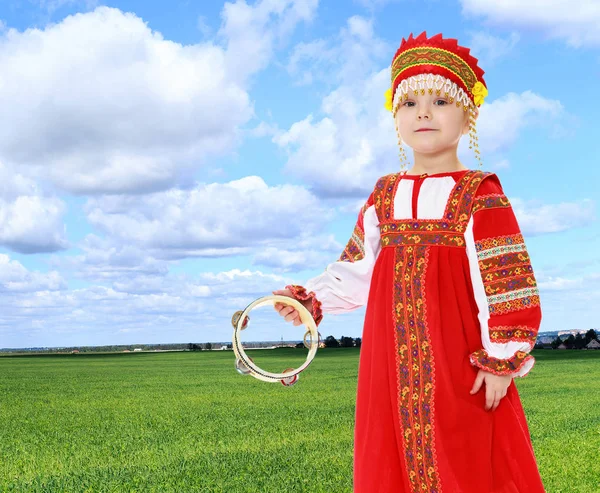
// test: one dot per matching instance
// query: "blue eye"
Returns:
(437, 101)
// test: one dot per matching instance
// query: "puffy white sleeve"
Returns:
(345, 284)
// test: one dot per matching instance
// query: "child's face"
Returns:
(449, 122)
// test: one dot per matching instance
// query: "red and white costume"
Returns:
(442, 266)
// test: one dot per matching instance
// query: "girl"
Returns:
(453, 307)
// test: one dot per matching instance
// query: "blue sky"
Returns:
(162, 164)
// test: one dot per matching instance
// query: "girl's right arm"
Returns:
(345, 284)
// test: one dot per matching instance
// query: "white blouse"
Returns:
(344, 286)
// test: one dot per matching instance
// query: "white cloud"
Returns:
(575, 296)
(99, 103)
(488, 48)
(194, 309)
(308, 252)
(113, 106)
(501, 120)
(251, 32)
(579, 268)
(209, 220)
(14, 277)
(30, 222)
(104, 260)
(345, 152)
(350, 56)
(560, 284)
(237, 281)
(577, 23)
(292, 260)
(535, 218)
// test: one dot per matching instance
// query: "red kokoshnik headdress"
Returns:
(434, 64)
(441, 57)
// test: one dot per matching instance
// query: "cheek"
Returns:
(459, 121)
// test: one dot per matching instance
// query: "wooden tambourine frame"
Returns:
(244, 363)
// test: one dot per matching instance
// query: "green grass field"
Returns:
(188, 422)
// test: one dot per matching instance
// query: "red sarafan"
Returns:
(442, 266)
(417, 425)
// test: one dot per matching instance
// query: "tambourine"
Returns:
(244, 364)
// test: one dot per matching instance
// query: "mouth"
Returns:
(425, 130)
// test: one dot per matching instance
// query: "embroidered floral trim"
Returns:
(507, 274)
(299, 293)
(396, 239)
(414, 359)
(491, 247)
(491, 201)
(415, 367)
(355, 249)
(462, 198)
(483, 360)
(521, 333)
(501, 275)
(506, 265)
(447, 231)
(510, 288)
(439, 57)
(515, 305)
(513, 295)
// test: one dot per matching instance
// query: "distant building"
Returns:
(138, 349)
(593, 344)
(562, 346)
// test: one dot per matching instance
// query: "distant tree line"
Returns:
(578, 341)
(331, 341)
(572, 342)
(207, 346)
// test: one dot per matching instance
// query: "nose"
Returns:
(424, 112)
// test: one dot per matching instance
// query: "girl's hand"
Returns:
(495, 387)
(289, 312)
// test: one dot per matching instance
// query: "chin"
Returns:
(429, 150)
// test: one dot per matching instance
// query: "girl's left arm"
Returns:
(504, 284)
